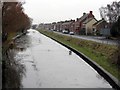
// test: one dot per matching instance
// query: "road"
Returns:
(99, 39)
(47, 64)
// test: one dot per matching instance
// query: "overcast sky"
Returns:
(47, 11)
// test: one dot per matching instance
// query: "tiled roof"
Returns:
(87, 20)
(98, 22)
(68, 22)
(83, 17)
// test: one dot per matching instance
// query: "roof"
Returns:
(67, 22)
(83, 17)
(98, 22)
(88, 20)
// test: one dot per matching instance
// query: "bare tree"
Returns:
(111, 12)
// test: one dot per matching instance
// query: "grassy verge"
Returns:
(100, 53)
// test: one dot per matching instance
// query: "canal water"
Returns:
(44, 63)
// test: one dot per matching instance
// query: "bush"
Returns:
(115, 30)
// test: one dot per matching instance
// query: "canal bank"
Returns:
(11, 69)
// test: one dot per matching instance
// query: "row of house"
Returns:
(87, 24)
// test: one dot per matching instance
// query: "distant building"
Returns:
(68, 25)
(79, 22)
(72, 26)
(53, 26)
(46, 26)
(87, 26)
(101, 27)
(34, 26)
(41, 26)
(58, 26)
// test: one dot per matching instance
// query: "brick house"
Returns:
(47, 26)
(68, 25)
(53, 26)
(41, 26)
(72, 26)
(79, 22)
(58, 26)
(87, 26)
(100, 25)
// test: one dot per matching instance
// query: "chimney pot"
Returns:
(77, 19)
(91, 12)
(84, 13)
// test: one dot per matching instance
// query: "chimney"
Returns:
(102, 18)
(84, 13)
(91, 12)
(77, 19)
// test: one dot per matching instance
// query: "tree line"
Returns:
(111, 13)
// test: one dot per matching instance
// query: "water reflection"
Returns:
(23, 43)
(13, 69)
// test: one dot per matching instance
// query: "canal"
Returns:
(41, 62)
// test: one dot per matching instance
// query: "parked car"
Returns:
(71, 33)
(65, 32)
